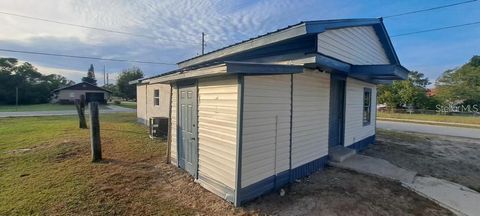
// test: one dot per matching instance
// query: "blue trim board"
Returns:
(362, 144)
(276, 182)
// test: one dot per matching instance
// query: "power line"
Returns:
(92, 27)
(436, 29)
(429, 9)
(84, 57)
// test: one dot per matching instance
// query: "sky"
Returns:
(175, 27)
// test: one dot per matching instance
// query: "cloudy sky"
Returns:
(173, 30)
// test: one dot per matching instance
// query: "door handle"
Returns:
(193, 138)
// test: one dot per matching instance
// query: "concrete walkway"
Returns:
(108, 109)
(377, 167)
(430, 129)
(457, 198)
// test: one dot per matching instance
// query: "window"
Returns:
(156, 97)
(367, 106)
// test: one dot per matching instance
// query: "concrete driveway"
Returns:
(107, 109)
(430, 129)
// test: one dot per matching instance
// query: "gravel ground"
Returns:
(451, 158)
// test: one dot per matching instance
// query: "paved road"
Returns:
(430, 129)
(109, 109)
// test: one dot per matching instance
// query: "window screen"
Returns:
(156, 97)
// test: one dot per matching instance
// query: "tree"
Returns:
(113, 88)
(90, 78)
(125, 89)
(461, 85)
(410, 92)
(33, 87)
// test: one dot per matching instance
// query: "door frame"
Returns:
(179, 85)
(335, 78)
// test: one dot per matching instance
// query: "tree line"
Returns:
(459, 86)
(35, 88)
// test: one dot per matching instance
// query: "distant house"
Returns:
(253, 116)
(153, 100)
(67, 95)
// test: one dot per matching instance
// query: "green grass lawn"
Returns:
(128, 104)
(45, 168)
(429, 117)
(36, 107)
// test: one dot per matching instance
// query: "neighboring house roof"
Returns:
(301, 40)
(82, 86)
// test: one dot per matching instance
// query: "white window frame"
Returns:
(367, 107)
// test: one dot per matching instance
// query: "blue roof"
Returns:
(291, 35)
(304, 28)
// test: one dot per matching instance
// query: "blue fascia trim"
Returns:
(330, 64)
(368, 73)
(313, 27)
(383, 72)
(276, 182)
(362, 144)
(386, 42)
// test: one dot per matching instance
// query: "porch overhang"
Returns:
(378, 74)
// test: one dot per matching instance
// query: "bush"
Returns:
(117, 102)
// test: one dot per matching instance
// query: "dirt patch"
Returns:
(67, 150)
(451, 158)
(340, 192)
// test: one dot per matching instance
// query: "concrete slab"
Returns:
(458, 198)
(340, 153)
(377, 167)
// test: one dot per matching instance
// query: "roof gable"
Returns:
(359, 45)
(291, 33)
(82, 86)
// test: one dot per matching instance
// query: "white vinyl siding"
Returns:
(142, 104)
(173, 129)
(354, 128)
(311, 99)
(217, 128)
(354, 45)
(162, 109)
(266, 127)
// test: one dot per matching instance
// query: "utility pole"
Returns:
(203, 43)
(107, 78)
(104, 83)
(16, 98)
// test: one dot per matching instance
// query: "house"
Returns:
(68, 94)
(153, 100)
(251, 117)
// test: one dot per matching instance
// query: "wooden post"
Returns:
(81, 113)
(95, 132)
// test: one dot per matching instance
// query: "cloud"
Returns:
(175, 25)
(176, 28)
